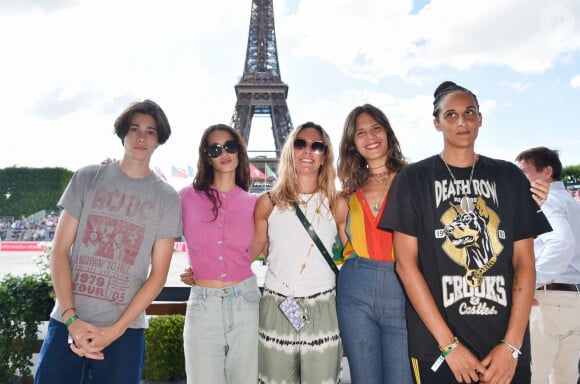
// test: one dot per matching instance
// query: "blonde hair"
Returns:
(286, 190)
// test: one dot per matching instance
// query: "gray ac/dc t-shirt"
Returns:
(120, 219)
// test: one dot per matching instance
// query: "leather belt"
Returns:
(560, 287)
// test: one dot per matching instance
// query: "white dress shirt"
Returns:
(558, 252)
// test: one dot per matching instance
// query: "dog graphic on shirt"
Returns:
(471, 232)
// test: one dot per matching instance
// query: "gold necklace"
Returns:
(305, 202)
(380, 166)
(315, 224)
(385, 181)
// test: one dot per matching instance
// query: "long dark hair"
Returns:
(352, 167)
(204, 176)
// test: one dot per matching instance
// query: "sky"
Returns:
(69, 67)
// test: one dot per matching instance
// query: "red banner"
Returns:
(35, 246)
(180, 247)
(27, 246)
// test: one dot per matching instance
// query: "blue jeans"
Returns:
(221, 334)
(371, 315)
(123, 361)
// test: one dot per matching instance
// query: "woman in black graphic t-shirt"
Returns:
(463, 229)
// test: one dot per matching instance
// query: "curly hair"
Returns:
(352, 167)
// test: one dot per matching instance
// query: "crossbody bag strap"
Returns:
(315, 238)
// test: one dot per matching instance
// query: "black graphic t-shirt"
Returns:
(466, 233)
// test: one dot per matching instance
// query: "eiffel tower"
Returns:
(261, 91)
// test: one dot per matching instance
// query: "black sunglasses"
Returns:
(215, 150)
(317, 147)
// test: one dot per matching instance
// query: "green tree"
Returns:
(164, 357)
(24, 191)
(25, 301)
(571, 174)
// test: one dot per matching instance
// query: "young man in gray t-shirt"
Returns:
(111, 254)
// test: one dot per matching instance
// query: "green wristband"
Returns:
(71, 320)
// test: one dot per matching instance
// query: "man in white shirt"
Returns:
(555, 315)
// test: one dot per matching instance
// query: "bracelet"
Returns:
(66, 310)
(450, 347)
(71, 320)
(515, 352)
(444, 352)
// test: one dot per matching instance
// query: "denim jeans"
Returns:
(221, 334)
(371, 315)
(123, 361)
